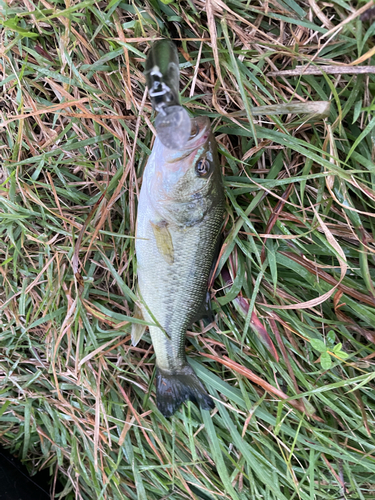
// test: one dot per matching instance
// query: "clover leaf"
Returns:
(326, 350)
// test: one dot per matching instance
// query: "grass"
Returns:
(290, 355)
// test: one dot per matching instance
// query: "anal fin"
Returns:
(137, 329)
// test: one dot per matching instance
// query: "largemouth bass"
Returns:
(180, 214)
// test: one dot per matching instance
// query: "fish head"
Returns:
(186, 183)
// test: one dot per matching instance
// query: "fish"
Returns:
(179, 220)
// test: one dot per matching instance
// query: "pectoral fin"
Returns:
(137, 329)
(163, 241)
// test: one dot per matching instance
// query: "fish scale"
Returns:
(180, 288)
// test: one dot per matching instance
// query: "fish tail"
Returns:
(174, 388)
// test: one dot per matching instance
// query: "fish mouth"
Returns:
(200, 132)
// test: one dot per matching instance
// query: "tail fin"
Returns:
(173, 389)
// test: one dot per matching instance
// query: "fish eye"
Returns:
(203, 167)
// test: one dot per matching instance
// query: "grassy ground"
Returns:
(290, 355)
